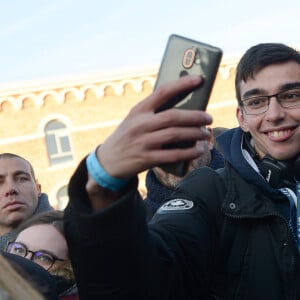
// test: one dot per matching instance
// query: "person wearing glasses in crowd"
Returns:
(20, 194)
(41, 239)
(237, 238)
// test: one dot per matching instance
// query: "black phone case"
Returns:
(184, 56)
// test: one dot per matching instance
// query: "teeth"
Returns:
(279, 133)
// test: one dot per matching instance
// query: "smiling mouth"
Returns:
(282, 133)
(279, 133)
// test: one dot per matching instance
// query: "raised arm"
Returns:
(113, 251)
(136, 145)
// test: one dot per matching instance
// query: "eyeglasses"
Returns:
(41, 257)
(260, 104)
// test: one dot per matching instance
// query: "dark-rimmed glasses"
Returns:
(260, 104)
(42, 257)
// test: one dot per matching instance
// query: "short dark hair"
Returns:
(13, 155)
(53, 217)
(260, 56)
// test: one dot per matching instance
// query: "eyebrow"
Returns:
(35, 251)
(17, 173)
(289, 86)
(252, 92)
(257, 91)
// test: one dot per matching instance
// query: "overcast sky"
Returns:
(53, 38)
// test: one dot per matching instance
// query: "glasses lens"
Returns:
(290, 98)
(16, 248)
(43, 259)
(255, 105)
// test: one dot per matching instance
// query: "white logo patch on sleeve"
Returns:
(177, 204)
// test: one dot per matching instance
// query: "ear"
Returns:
(211, 139)
(241, 119)
(38, 186)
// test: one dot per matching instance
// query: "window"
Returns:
(58, 142)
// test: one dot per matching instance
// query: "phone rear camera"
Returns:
(188, 58)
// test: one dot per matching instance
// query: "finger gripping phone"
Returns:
(184, 56)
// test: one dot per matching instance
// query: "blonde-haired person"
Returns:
(21, 279)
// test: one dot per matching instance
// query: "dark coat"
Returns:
(227, 241)
(157, 193)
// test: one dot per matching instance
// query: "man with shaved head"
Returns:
(20, 194)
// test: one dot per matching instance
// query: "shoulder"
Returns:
(5, 238)
(43, 204)
(203, 181)
(203, 188)
(196, 202)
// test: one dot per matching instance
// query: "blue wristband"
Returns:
(101, 177)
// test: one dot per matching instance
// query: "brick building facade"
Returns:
(54, 124)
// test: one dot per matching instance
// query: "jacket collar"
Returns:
(247, 200)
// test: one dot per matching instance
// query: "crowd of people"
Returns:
(228, 229)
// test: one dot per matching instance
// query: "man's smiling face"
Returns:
(275, 132)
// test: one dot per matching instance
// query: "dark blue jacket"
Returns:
(157, 192)
(228, 240)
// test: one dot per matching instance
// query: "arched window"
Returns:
(58, 142)
(62, 198)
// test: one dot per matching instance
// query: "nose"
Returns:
(29, 255)
(275, 111)
(11, 192)
(10, 188)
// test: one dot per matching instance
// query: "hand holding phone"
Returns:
(184, 56)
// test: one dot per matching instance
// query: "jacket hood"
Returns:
(230, 144)
(43, 204)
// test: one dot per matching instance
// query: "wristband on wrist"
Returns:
(101, 177)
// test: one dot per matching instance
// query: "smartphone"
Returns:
(184, 56)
